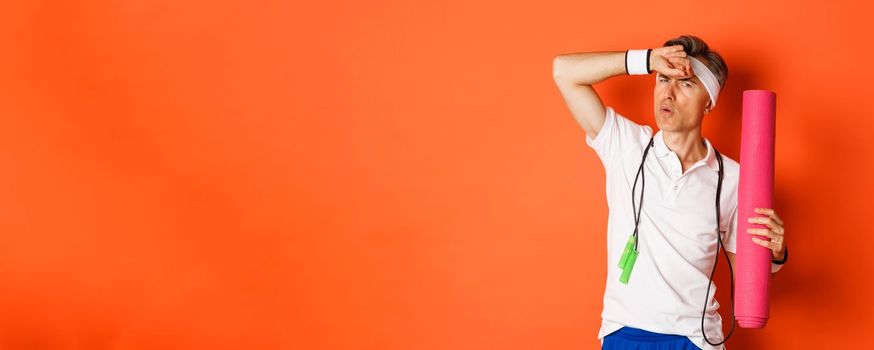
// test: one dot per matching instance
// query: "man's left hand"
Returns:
(774, 231)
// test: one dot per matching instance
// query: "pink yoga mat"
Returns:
(756, 190)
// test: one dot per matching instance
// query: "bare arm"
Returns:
(575, 73)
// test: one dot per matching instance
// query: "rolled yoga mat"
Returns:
(755, 190)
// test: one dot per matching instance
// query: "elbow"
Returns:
(557, 66)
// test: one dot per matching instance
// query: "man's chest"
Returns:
(685, 203)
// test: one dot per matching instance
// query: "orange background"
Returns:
(387, 175)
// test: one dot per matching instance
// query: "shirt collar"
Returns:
(661, 150)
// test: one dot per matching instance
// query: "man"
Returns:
(670, 215)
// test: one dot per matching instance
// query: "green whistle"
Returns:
(629, 247)
(629, 265)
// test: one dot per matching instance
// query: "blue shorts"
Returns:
(639, 339)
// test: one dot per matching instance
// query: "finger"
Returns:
(767, 221)
(762, 232)
(676, 54)
(668, 50)
(773, 215)
(678, 63)
(674, 72)
(770, 212)
(764, 243)
(777, 234)
(680, 60)
(772, 236)
(773, 225)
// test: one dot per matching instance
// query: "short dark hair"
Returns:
(697, 48)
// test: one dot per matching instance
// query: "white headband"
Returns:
(711, 84)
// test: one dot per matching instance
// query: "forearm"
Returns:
(588, 68)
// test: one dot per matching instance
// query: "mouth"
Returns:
(666, 109)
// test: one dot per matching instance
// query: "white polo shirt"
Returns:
(677, 238)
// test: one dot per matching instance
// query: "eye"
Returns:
(687, 84)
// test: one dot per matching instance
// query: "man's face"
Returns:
(685, 99)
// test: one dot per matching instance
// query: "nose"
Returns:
(670, 94)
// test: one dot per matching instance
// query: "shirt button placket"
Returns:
(672, 196)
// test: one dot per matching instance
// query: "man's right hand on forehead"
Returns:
(670, 61)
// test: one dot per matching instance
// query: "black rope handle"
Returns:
(731, 270)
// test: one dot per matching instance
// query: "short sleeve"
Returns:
(617, 136)
(730, 239)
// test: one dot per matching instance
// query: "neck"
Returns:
(688, 145)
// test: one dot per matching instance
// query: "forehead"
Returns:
(693, 78)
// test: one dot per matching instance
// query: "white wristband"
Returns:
(637, 62)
